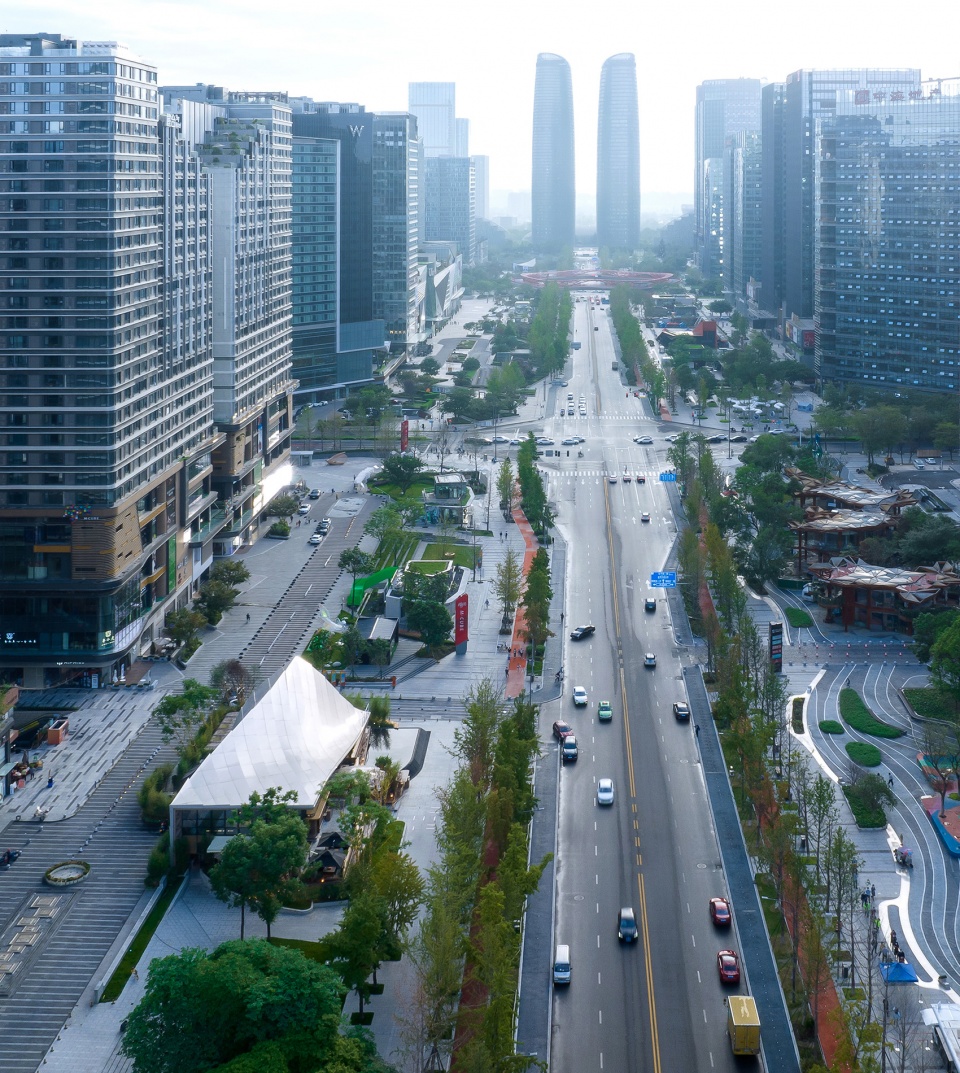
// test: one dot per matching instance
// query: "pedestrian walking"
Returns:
(873, 892)
(135, 974)
(890, 782)
(696, 729)
(248, 616)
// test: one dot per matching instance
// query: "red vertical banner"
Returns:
(462, 608)
(404, 434)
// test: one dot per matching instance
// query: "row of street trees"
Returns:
(466, 955)
(533, 492)
(216, 596)
(788, 810)
(633, 349)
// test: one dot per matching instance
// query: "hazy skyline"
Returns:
(369, 52)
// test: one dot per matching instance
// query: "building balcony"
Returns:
(209, 529)
(238, 524)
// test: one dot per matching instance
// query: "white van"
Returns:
(561, 965)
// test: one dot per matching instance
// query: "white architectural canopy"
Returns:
(294, 738)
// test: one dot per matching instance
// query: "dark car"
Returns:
(561, 729)
(720, 912)
(681, 711)
(728, 967)
(650, 604)
(717, 439)
(568, 748)
(626, 925)
(641, 480)
(582, 632)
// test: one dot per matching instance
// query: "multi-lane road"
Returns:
(657, 1004)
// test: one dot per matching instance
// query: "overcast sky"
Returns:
(368, 50)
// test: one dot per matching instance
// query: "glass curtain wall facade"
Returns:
(806, 98)
(435, 106)
(887, 185)
(553, 186)
(744, 169)
(449, 196)
(396, 192)
(104, 428)
(724, 108)
(618, 155)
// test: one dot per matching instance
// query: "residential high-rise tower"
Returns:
(553, 187)
(618, 155)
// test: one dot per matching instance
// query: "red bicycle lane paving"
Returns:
(516, 668)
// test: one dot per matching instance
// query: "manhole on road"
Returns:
(578, 897)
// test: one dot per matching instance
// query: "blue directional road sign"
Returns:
(664, 579)
(668, 476)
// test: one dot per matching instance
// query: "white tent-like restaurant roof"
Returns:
(294, 738)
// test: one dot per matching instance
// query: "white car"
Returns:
(500, 439)
(643, 439)
(605, 792)
(570, 441)
(315, 539)
(515, 443)
(545, 441)
(579, 697)
(612, 478)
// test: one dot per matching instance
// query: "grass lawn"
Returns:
(394, 550)
(462, 553)
(427, 566)
(932, 703)
(797, 617)
(423, 484)
(858, 715)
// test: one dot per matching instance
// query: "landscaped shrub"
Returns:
(153, 801)
(796, 716)
(863, 753)
(797, 617)
(865, 813)
(280, 528)
(831, 726)
(931, 703)
(858, 715)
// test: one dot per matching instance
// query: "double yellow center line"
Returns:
(641, 890)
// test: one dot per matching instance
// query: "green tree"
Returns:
(283, 506)
(200, 1011)
(214, 598)
(431, 620)
(183, 625)
(230, 572)
(430, 366)
(945, 659)
(260, 868)
(507, 583)
(380, 650)
(385, 522)
(928, 627)
(402, 470)
(356, 946)
(505, 484)
(179, 715)
(355, 562)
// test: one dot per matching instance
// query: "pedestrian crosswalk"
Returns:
(572, 470)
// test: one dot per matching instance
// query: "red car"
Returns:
(720, 912)
(561, 730)
(728, 966)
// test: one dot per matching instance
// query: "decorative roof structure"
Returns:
(295, 737)
(818, 520)
(914, 587)
(850, 496)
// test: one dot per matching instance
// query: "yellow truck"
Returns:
(743, 1025)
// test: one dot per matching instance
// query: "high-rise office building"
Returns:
(249, 157)
(481, 179)
(553, 187)
(462, 146)
(724, 108)
(335, 335)
(449, 212)
(887, 214)
(791, 112)
(618, 155)
(435, 106)
(743, 166)
(107, 360)
(396, 192)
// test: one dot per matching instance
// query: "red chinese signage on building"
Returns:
(404, 434)
(461, 610)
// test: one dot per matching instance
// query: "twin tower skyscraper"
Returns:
(553, 190)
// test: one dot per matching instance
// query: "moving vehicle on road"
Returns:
(581, 633)
(626, 925)
(579, 697)
(681, 711)
(605, 792)
(743, 1024)
(645, 440)
(728, 967)
(314, 493)
(720, 911)
(604, 711)
(644, 517)
(561, 729)
(315, 539)
(568, 748)
(649, 660)
(612, 478)
(650, 604)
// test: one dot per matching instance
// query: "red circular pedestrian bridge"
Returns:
(598, 279)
